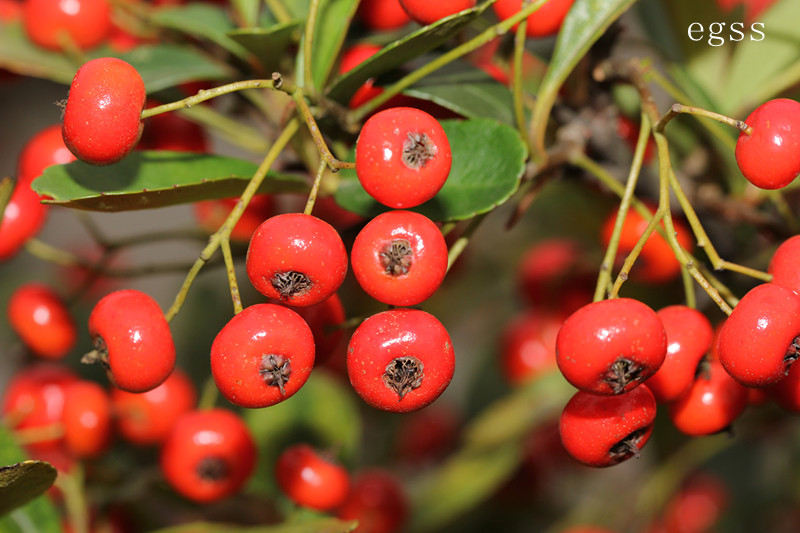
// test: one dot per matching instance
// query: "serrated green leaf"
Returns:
(488, 162)
(156, 64)
(22, 482)
(324, 413)
(323, 525)
(200, 20)
(269, 45)
(395, 54)
(148, 179)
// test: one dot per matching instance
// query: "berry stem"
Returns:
(312, 196)
(72, 485)
(209, 394)
(208, 94)
(324, 152)
(517, 89)
(461, 243)
(230, 268)
(677, 109)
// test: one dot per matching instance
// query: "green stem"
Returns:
(208, 94)
(312, 196)
(6, 190)
(461, 243)
(316, 134)
(517, 90)
(74, 490)
(280, 12)
(230, 269)
(678, 109)
(209, 394)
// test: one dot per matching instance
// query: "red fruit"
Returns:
(41, 319)
(697, 506)
(770, 157)
(351, 58)
(689, 338)
(102, 118)
(382, 15)
(378, 501)
(602, 431)
(22, 219)
(759, 340)
(340, 218)
(402, 156)
(786, 392)
(528, 347)
(325, 320)
(426, 12)
(427, 435)
(57, 25)
(44, 149)
(296, 258)
(170, 131)
(399, 258)
(611, 346)
(400, 360)
(783, 264)
(208, 455)
(87, 419)
(711, 405)
(311, 480)
(211, 214)
(544, 22)
(132, 340)
(146, 418)
(262, 356)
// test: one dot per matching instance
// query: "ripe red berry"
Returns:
(426, 436)
(689, 338)
(697, 506)
(146, 418)
(770, 157)
(426, 12)
(41, 319)
(354, 56)
(211, 214)
(378, 501)
(402, 156)
(382, 15)
(528, 347)
(44, 149)
(544, 22)
(311, 480)
(296, 258)
(759, 340)
(262, 356)
(208, 455)
(611, 346)
(399, 258)
(400, 360)
(325, 320)
(783, 264)
(711, 405)
(132, 340)
(102, 118)
(87, 419)
(603, 431)
(23, 217)
(56, 25)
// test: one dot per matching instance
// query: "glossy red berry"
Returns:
(711, 405)
(783, 264)
(326, 320)
(399, 258)
(211, 214)
(208, 455)
(378, 501)
(40, 317)
(87, 419)
(132, 340)
(689, 338)
(296, 258)
(262, 356)
(146, 418)
(400, 360)
(354, 56)
(425, 12)
(102, 118)
(311, 480)
(382, 15)
(23, 217)
(770, 156)
(544, 22)
(611, 346)
(528, 347)
(57, 25)
(759, 340)
(603, 431)
(44, 149)
(402, 156)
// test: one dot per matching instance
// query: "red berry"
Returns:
(296, 258)
(402, 156)
(783, 264)
(399, 258)
(23, 217)
(87, 419)
(262, 356)
(340, 218)
(544, 22)
(132, 340)
(770, 157)
(697, 506)
(55, 24)
(208, 455)
(378, 501)
(400, 360)
(427, 435)
(711, 405)
(351, 58)
(382, 15)
(146, 418)
(689, 338)
(325, 320)
(44, 149)
(611, 346)
(426, 12)
(603, 431)
(211, 214)
(310, 480)
(528, 347)
(170, 131)
(759, 340)
(41, 319)
(102, 118)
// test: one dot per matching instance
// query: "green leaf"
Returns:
(333, 21)
(323, 525)
(156, 64)
(247, 11)
(398, 53)
(323, 412)
(22, 482)
(585, 23)
(201, 20)
(488, 162)
(18, 54)
(269, 45)
(148, 179)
